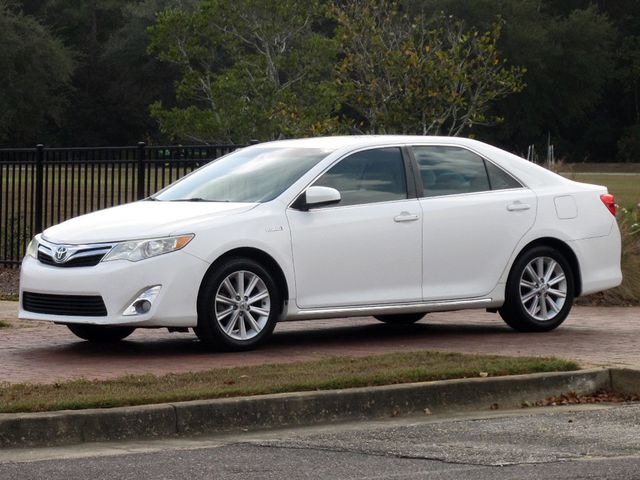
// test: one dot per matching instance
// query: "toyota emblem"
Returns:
(61, 254)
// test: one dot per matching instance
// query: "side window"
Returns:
(367, 177)
(500, 180)
(450, 171)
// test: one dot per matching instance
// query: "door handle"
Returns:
(405, 217)
(518, 207)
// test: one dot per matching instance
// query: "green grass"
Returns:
(626, 188)
(4, 324)
(333, 373)
(600, 167)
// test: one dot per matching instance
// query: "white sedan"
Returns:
(389, 226)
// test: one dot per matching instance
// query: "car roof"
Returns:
(528, 173)
(335, 142)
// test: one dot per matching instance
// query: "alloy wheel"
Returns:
(242, 305)
(543, 288)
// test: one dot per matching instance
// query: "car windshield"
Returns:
(247, 175)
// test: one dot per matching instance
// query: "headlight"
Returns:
(32, 248)
(137, 250)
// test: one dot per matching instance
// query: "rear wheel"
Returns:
(400, 318)
(99, 333)
(238, 306)
(540, 290)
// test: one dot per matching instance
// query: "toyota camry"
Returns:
(389, 226)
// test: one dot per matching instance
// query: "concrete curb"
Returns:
(297, 409)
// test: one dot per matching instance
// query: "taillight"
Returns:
(609, 202)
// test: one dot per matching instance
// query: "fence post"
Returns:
(38, 221)
(141, 153)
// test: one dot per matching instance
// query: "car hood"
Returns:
(144, 219)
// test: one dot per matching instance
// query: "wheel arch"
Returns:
(259, 256)
(565, 250)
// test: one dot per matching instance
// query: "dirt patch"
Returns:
(9, 279)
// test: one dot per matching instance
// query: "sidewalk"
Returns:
(44, 352)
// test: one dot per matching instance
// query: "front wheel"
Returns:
(539, 292)
(238, 306)
(99, 333)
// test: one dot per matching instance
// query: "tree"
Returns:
(35, 74)
(116, 78)
(407, 73)
(567, 51)
(569, 67)
(85, 27)
(135, 78)
(250, 69)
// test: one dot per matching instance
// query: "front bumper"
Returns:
(119, 283)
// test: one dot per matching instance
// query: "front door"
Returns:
(366, 249)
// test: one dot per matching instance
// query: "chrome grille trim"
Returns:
(73, 252)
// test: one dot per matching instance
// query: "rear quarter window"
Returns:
(499, 179)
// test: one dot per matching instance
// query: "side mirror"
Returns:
(316, 196)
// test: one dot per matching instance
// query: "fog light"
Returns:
(142, 304)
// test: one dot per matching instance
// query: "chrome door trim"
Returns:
(361, 311)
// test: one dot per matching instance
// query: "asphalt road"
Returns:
(588, 442)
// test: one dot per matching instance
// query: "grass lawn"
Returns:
(326, 374)
(600, 167)
(626, 188)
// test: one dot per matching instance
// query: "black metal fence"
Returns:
(43, 186)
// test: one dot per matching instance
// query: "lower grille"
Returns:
(71, 305)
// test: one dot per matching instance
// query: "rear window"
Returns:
(455, 170)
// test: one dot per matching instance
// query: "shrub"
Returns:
(629, 292)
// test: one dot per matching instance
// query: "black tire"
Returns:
(400, 318)
(211, 328)
(517, 312)
(99, 333)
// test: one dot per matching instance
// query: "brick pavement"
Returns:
(43, 352)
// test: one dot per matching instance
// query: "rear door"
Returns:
(474, 215)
